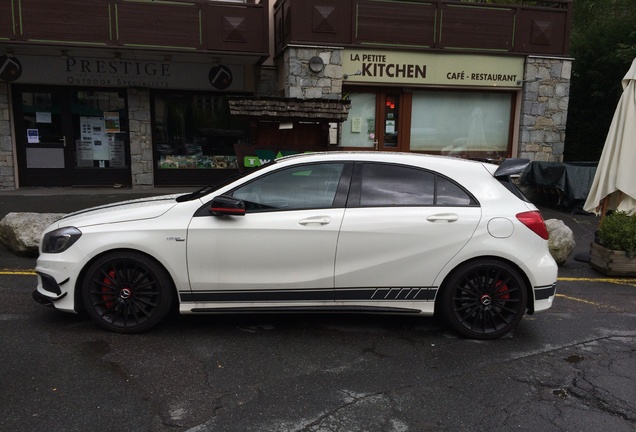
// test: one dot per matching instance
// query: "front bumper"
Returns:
(49, 290)
(51, 293)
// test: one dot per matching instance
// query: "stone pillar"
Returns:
(299, 82)
(266, 81)
(7, 169)
(141, 160)
(544, 109)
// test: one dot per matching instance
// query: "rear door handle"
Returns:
(316, 220)
(444, 217)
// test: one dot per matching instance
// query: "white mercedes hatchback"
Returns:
(332, 232)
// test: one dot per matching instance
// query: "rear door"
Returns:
(401, 226)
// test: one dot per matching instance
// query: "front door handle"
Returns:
(63, 139)
(316, 220)
(443, 217)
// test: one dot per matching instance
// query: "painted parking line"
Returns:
(8, 272)
(580, 300)
(617, 281)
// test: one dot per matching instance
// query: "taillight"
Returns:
(534, 221)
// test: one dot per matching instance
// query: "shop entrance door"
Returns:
(42, 133)
(71, 136)
(376, 121)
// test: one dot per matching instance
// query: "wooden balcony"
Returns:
(220, 27)
(438, 25)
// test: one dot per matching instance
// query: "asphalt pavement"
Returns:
(66, 200)
(571, 368)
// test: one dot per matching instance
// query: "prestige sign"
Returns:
(88, 71)
(389, 67)
(149, 73)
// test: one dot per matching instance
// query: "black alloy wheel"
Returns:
(127, 292)
(484, 299)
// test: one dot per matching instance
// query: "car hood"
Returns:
(124, 211)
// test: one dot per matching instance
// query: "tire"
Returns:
(127, 292)
(484, 299)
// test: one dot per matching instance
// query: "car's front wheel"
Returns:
(127, 292)
(484, 299)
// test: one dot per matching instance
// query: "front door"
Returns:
(284, 247)
(42, 134)
(71, 136)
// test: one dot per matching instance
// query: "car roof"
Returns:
(415, 158)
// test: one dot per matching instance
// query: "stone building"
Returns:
(144, 94)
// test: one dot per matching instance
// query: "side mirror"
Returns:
(224, 205)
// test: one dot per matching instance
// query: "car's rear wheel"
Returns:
(484, 299)
(127, 292)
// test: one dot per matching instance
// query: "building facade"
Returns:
(138, 93)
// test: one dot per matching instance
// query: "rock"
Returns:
(21, 232)
(561, 241)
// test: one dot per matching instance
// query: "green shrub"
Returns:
(617, 231)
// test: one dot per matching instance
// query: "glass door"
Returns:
(389, 128)
(71, 136)
(373, 122)
(42, 136)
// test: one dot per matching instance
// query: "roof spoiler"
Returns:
(511, 166)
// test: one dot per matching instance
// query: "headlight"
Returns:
(59, 240)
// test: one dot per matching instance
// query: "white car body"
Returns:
(361, 258)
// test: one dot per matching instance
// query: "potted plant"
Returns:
(614, 250)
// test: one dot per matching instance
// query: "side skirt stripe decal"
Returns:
(344, 294)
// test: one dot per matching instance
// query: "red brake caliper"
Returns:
(502, 292)
(108, 297)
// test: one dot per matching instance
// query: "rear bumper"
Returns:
(544, 292)
(543, 297)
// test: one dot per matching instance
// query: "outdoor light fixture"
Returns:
(167, 60)
(64, 55)
(117, 57)
(345, 76)
(535, 79)
(316, 64)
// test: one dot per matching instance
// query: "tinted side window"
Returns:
(450, 194)
(300, 187)
(390, 185)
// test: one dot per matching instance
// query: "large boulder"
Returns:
(561, 241)
(21, 232)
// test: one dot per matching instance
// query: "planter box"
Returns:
(611, 262)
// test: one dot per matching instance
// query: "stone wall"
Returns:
(7, 169)
(141, 160)
(544, 109)
(266, 81)
(296, 80)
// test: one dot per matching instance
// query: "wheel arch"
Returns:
(450, 274)
(78, 300)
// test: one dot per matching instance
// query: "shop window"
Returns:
(465, 124)
(359, 128)
(100, 122)
(195, 131)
